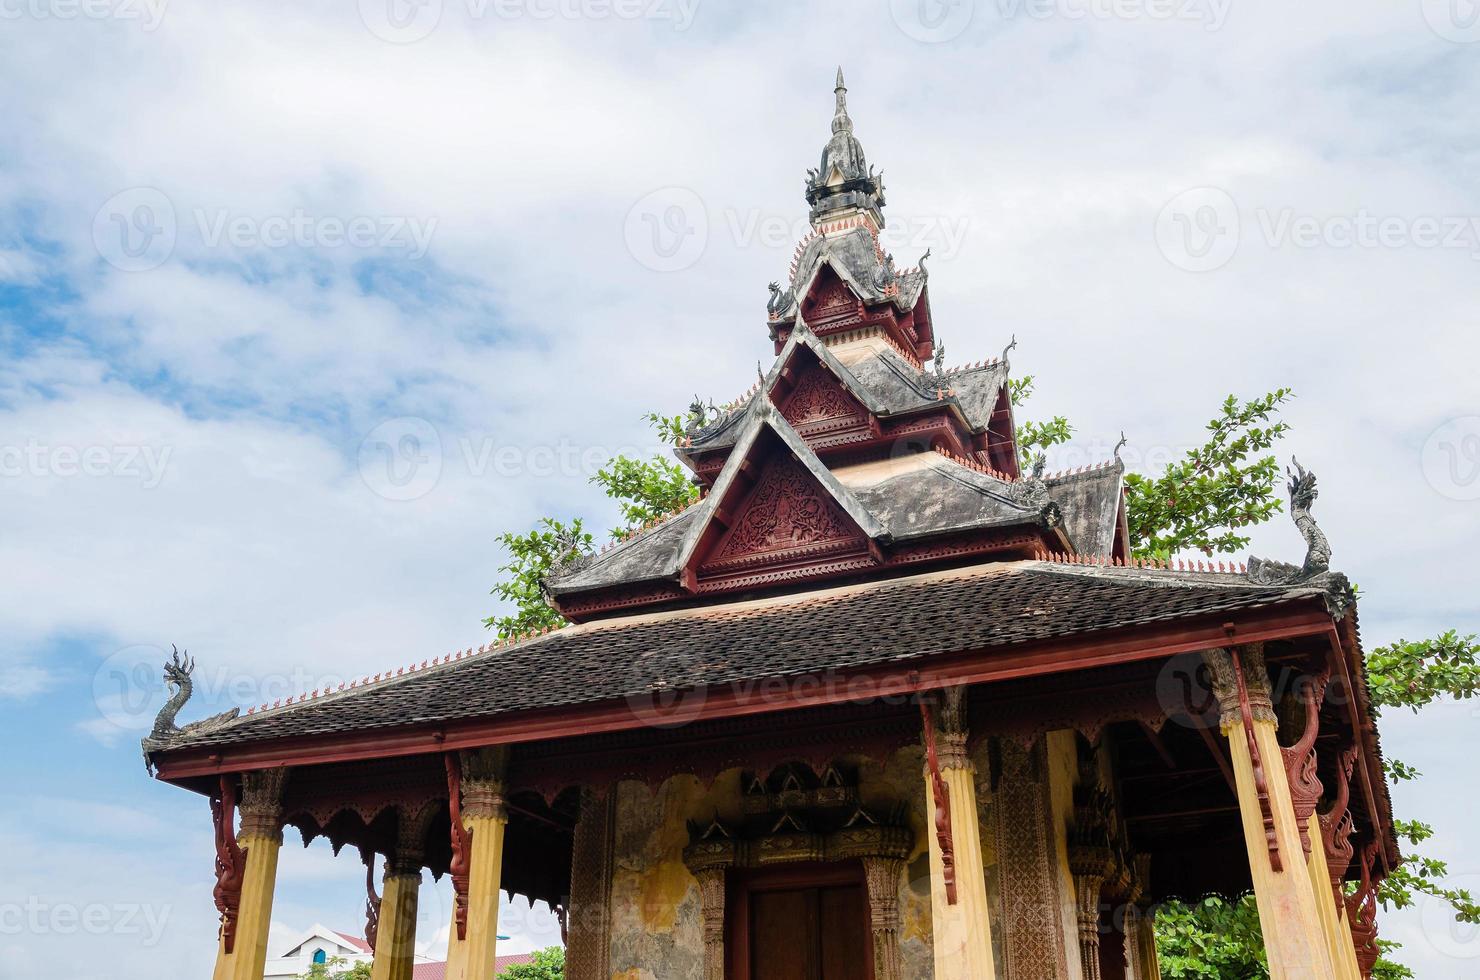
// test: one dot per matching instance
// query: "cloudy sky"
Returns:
(301, 304)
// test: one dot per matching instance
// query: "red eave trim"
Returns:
(1296, 618)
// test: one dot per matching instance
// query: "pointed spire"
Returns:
(841, 123)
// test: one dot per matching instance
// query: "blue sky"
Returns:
(247, 251)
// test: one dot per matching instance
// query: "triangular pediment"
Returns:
(776, 511)
(830, 299)
(784, 517)
(818, 401)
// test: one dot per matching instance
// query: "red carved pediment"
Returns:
(820, 401)
(785, 518)
(830, 300)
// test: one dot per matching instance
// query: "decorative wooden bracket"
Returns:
(1337, 825)
(462, 845)
(372, 901)
(1300, 758)
(231, 862)
(1261, 781)
(942, 796)
(1361, 908)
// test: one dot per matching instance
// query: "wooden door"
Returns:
(801, 924)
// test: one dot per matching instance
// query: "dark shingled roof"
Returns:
(909, 620)
(881, 378)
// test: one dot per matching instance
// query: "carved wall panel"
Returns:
(1033, 930)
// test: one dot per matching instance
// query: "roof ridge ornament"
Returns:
(1316, 569)
(177, 671)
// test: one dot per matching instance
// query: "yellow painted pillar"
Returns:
(1294, 939)
(1348, 959)
(485, 815)
(1145, 939)
(1343, 953)
(395, 941)
(261, 837)
(961, 931)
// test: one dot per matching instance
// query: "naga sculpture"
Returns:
(177, 677)
(1303, 494)
(780, 300)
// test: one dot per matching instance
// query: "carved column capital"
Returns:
(411, 835)
(262, 803)
(483, 773)
(1226, 688)
(951, 729)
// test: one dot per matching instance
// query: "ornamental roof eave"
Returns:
(1001, 604)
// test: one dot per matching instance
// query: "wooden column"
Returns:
(246, 871)
(712, 912)
(1294, 940)
(472, 948)
(960, 922)
(881, 875)
(1147, 965)
(395, 937)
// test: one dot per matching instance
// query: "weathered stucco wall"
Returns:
(656, 922)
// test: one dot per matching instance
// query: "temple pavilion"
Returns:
(880, 704)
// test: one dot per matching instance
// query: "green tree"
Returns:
(334, 970)
(548, 964)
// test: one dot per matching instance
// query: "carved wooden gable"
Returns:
(819, 402)
(786, 518)
(830, 301)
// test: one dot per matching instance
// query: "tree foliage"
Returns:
(548, 964)
(532, 556)
(1207, 499)
(335, 969)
